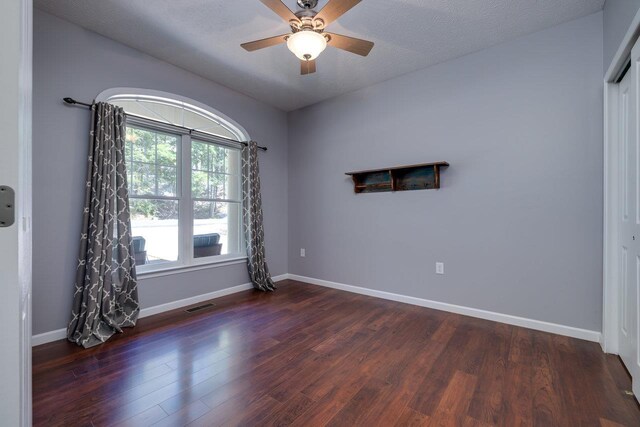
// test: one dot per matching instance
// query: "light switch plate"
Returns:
(439, 267)
(303, 253)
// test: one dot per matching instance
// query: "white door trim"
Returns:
(16, 26)
(25, 112)
(610, 298)
(610, 280)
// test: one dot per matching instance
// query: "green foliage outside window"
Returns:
(152, 171)
(209, 175)
(152, 159)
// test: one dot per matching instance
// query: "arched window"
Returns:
(184, 178)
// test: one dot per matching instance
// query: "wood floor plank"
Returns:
(488, 401)
(289, 411)
(143, 419)
(608, 423)
(361, 403)
(188, 413)
(311, 356)
(441, 373)
(549, 405)
(228, 376)
(333, 401)
(452, 408)
(472, 422)
(240, 410)
(518, 392)
(411, 418)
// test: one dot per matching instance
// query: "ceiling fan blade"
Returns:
(307, 67)
(335, 9)
(350, 44)
(261, 44)
(281, 9)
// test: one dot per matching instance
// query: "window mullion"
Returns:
(214, 200)
(151, 196)
(155, 139)
(209, 166)
(132, 172)
(186, 203)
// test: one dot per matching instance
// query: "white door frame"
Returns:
(25, 243)
(16, 27)
(610, 296)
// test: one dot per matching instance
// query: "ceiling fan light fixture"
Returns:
(309, 40)
(306, 44)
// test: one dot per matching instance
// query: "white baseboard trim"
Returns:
(537, 325)
(61, 334)
(58, 334)
(150, 311)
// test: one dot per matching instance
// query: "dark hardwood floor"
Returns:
(311, 356)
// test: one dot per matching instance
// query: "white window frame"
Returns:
(186, 260)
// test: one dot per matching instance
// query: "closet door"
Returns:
(629, 225)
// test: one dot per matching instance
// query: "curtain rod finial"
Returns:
(69, 100)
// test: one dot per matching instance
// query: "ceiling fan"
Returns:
(308, 38)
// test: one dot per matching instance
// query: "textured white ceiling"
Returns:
(204, 36)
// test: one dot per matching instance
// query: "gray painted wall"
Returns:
(518, 222)
(618, 15)
(70, 61)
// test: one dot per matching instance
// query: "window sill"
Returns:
(178, 269)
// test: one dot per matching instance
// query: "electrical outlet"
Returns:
(303, 253)
(439, 267)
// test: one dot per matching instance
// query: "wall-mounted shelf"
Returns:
(425, 176)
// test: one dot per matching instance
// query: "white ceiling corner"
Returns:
(204, 36)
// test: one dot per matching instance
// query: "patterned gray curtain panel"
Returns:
(106, 295)
(252, 218)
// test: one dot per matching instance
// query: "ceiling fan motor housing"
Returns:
(307, 4)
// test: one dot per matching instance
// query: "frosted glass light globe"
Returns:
(306, 44)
